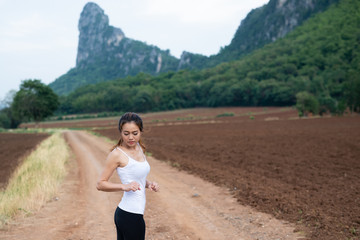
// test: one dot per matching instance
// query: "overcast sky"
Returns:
(38, 38)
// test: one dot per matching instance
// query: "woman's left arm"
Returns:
(153, 186)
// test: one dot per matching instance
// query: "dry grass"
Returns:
(36, 180)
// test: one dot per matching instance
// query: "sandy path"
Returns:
(186, 207)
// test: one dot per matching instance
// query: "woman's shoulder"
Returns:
(118, 156)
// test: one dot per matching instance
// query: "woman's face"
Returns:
(130, 134)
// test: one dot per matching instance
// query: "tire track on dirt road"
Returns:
(186, 207)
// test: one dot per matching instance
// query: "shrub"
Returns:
(306, 103)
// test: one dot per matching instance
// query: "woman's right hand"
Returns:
(133, 186)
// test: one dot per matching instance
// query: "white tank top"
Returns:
(134, 202)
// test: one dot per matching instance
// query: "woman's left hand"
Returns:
(154, 186)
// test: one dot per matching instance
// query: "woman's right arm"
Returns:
(103, 183)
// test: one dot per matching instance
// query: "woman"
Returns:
(128, 159)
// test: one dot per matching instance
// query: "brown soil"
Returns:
(13, 149)
(178, 116)
(186, 207)
(305, 171)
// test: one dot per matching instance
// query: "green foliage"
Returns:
(321, 58)
(34, 101)
(5, 121)
(327, 104)
(306, 103)
(352, 90)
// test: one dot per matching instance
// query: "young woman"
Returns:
(129, 161)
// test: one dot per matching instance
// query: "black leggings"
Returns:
(129, 226)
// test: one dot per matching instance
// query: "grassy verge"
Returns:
(30, 130)
(36, 180)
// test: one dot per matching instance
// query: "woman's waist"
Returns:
(139, 194)
(134, 203)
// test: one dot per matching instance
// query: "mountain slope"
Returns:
(321, 57)
(261, 26)
(104, 53)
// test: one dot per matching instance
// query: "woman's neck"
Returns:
(129, 148)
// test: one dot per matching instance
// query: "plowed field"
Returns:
(306, 171)
(13, 148)
(178, 116)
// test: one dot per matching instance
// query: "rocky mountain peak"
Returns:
(105, 53)
(94, 31)
(291, 11)
(93, 19)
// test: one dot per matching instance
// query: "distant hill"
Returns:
(320, 57)
(261, 26)
(105, 53)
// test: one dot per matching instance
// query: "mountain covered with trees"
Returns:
(105, 53)
(318, 62)
(261, 26)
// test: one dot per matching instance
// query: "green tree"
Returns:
(352, 91)
(143, 99)
(8, 99)
(5, 121)
(306, 103)
(34, 101)
(6, 118)
(327, 105)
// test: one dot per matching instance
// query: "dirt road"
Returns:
(187, 207)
